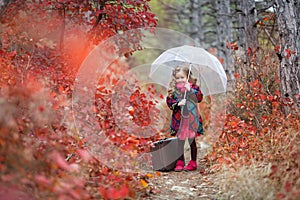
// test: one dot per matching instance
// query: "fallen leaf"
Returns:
(144, 183)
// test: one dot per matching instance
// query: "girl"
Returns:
(185, 122)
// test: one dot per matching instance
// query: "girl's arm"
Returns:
(195, 93)
(172, 103)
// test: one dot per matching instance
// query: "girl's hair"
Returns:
(172, 84)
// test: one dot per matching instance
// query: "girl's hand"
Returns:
(187, 86)
(182, 102)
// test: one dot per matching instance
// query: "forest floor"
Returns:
(185, 185)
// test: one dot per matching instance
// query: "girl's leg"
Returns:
(180, 162)
(193, 147)
(193, 163)
(181, 149)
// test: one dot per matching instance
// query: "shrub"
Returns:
(258, 136)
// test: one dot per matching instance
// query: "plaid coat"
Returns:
(190, 110)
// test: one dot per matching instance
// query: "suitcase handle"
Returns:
(162, 140)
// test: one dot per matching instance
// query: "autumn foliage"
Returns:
(257, 132)
(43, 156)
(42, 44)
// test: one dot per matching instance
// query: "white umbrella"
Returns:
(204, 66)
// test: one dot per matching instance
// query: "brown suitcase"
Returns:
(165, 154)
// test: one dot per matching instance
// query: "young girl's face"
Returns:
(180, 77)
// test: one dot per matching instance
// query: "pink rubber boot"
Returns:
(179, 166)
(191, 166)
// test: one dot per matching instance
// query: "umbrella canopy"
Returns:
(204, 66)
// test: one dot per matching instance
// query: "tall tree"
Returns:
(288, 24)
(224, 34)
(247, 37)
(247, 19)
(195, 18)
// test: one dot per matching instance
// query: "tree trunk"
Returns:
(247, 19)
(288, 24)
(224, 35)
(193, 17)
(247, 37)
(194, 20)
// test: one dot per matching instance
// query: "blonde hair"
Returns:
(178, 69)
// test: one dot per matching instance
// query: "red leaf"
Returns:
(263, 97)
(256, 82)
(133, 97)
(103, 192)
(280, 196)
(61, 89)
(249, 51)
(233, 124)
(132, 140)
(270, 98)
(236, 75)
(221, 160)
(277, 48)
(277, 93)
(266, 18)
(273, 170)
(221, 60)
(113, 193)
(230, 45)
(288, 186)
(288, 53)
(124, 191)
(131, 110)
(157, 173)
(41, 108)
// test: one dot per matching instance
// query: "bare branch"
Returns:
(269, 36)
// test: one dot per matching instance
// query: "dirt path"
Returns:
(184, 185)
